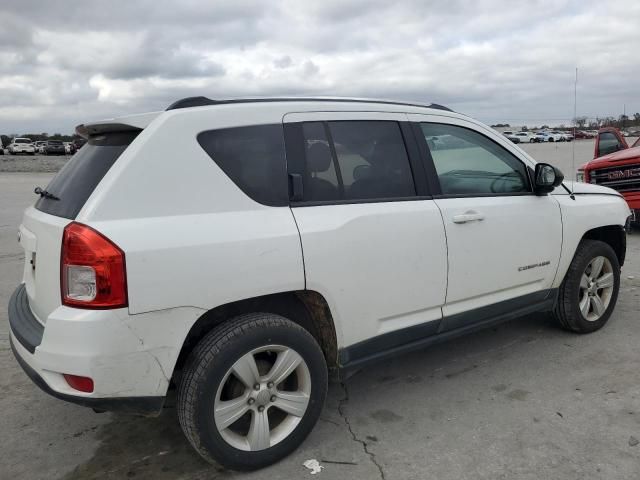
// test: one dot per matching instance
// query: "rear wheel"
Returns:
(589, 291)
(252, 390)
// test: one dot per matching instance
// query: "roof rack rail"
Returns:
(204, 101)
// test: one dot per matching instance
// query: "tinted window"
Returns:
(469, 163)
(253, 158)
(609, 143)
(79, 177)
(362, 160)
(320, 180)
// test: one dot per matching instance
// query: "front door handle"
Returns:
(468, 216)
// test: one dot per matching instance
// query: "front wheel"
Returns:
(252, 390)
(589, 291)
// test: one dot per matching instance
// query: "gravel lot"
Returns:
(524, 400)
(35, 163)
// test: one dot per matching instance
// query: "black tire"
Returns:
(567, 310)
(206, 368)
(551, 139)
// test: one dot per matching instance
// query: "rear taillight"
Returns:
(92, 269)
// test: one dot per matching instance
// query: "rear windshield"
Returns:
(79, 177)
(55, 142)
(22, 140)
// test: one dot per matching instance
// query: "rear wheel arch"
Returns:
(307, 308)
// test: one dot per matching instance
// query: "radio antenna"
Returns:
(573, 143)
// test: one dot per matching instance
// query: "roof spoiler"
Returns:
(131, 123)
(86, 131)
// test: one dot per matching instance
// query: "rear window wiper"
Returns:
(45, 194)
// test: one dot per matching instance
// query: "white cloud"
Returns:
(496, 60)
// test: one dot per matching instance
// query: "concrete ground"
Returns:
(524, 400)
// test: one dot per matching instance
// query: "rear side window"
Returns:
(253, 158)
(355, 160)
(79, 177)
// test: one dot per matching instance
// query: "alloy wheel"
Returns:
(596, 288)
(262, 398)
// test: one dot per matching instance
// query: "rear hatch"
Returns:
(59, 204)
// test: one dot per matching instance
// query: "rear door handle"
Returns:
(469, 216)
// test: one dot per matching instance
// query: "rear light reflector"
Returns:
(92, 270)
(82, 384)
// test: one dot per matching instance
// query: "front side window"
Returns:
(468, 163)
(253, 158)
(355, 160)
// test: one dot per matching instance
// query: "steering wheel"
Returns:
(501, 178)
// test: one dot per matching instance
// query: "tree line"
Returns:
(622, 122)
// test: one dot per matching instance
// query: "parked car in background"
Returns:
(53, 147)
(568, 136)
(22, 145)
(615, 165)
(78, 143)
(511, 136)
(525, 137)
(280, 261)
(559, 136)
(543, 137)
(69, 148)
(40, 146)
(583, 134)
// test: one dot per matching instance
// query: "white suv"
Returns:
(22, 145)
(241, 250)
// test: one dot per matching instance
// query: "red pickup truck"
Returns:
(615, 165)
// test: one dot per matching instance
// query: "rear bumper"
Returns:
(128, 372)
(24, 326)
(147, 406)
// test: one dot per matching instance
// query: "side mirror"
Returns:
(546, 178)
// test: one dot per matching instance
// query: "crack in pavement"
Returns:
(365, 445)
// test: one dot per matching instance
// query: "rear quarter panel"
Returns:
(191, 237)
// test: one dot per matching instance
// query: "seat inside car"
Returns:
(386, 176)
(319, 161)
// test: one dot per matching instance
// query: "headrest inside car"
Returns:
(318, 157)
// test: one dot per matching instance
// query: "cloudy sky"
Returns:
(65, 62)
